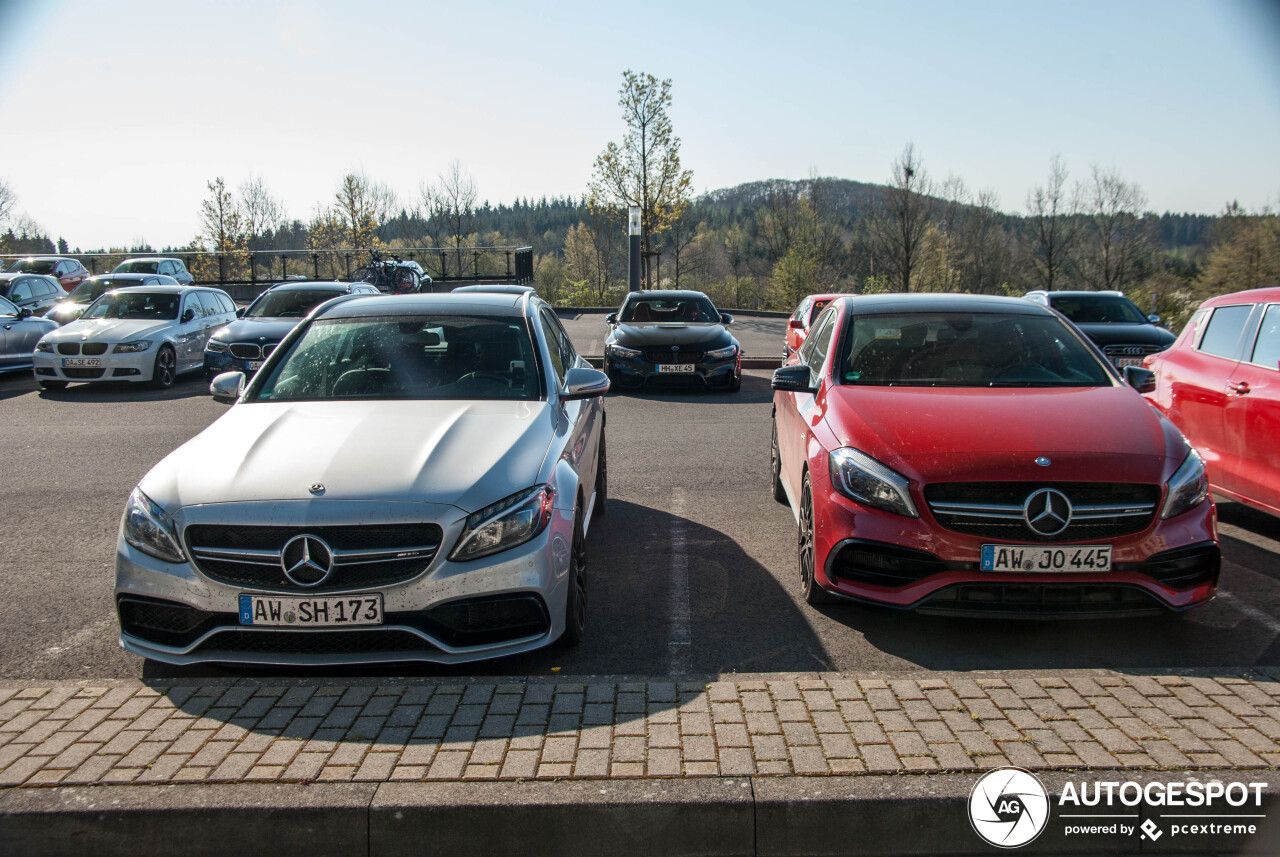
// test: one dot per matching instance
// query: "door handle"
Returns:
(1240, 389)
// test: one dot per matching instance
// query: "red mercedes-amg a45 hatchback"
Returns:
(977, 455)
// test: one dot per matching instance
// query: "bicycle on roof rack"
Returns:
(394, 276)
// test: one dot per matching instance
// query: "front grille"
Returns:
(346, 642)
(1115, 352)
(268, 348)
(363, 556)
(1047, 599)
(93, 349)
(1100, 510)
(71, 348)
(83, 373)
(246, 351)
(666, 355)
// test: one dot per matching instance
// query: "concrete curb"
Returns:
(891, 815)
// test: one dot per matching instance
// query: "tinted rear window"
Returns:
(1222, 334)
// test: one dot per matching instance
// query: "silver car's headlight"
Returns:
(148, 528)
(1187, 487)
(722, 353)
(624, 353)
(44, 346)
(216, 346)
(505, 524)
(860, 477)
(132, 347)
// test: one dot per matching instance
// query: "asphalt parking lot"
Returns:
(691, 572)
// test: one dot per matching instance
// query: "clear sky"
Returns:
(113, 115)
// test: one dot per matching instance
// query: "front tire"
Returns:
(775, 465)
(602, 480)
(575, 603)
(165, 371)
(813, 593)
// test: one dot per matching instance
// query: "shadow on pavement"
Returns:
(191, 385)
(754, 391)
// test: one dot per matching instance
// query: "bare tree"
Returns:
(1051, 234)
(221, 223)
(1118, 237)
(897, 229)
(450, 204)
(7, 201)
(263, 212)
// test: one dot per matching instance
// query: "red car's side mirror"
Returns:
(796, 324)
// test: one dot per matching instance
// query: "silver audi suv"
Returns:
(406, 478)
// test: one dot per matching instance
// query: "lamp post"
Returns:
(633, 255)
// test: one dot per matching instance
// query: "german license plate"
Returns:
(1122, 362)
(1037, 558)
(293, 612)
(674, 367)
(81, 361)
(253, 365)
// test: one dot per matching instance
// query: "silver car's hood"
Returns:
(467, 454)
(111, 329)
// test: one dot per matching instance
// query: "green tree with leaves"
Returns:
(644, 170)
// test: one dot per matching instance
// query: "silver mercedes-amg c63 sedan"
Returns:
(406, 478)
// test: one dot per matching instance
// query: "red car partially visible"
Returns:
(976, 455)
(67, 271)
(800, 321)
(1220, 384)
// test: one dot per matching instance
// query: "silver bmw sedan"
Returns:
(406, 478)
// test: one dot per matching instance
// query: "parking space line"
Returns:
(679, 643)
(1271, 623)
(1249, 537)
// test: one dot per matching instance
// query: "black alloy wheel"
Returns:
(813, 593)
(775, 466)
(736, 384)
(602, 480)
(166, 368)
(575, 604)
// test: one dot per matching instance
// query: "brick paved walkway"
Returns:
(242, 730)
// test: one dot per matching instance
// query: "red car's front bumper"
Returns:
(915, 563)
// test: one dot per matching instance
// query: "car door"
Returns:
(583, 421)
(8, 320)
(191, 335)
(1252, 414)
(1198, 387)
(799, 410)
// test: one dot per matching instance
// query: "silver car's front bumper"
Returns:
(537, 568)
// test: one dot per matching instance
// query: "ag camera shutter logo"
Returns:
(1009, 807)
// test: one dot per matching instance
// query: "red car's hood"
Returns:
(933, 434)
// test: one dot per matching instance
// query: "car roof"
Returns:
(43, 259)
(1079, 293)
(124, 275)
(150, 259)
(312, 285)
(164, 288)
(667, 293)
(480, 303)
(944, 302)
(9, 275)
(497, 289)
(1265, 295)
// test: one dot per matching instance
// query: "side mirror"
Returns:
(793, 379)
(1141, 379)
(188, 316)
(227, 387)
(611, 318)
(796, 324)
(24, 312)
(584, 384)
(725, 318)
(1153, 318)
(240, 310)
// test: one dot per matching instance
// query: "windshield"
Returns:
(34, 266)
(88, 291)
(142, 266)
(961, 349)
(288, 302)
(407, 357)
(1099, 309)
(685, 310)
(158, 305)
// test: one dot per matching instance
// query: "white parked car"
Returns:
(406, 478)
(141, 334)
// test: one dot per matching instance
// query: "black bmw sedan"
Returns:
(671, 336)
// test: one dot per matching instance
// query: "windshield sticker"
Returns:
(888, 333)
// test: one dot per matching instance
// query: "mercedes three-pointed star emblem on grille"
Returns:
(307, 560)
(1047, 511)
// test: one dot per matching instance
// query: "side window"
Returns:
(211, 305)
(1266, 350)
(1222, 334)
(21, 291)
(568, 354)
(228, 305)
(802, 311)
(550, 334)
(192, 303)
(62, 270)
(820, 336)
(806, 348)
